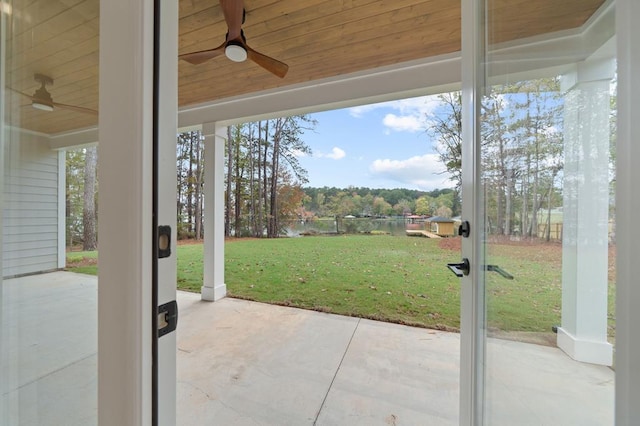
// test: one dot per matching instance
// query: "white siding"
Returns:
(30, 210)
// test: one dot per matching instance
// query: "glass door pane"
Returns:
(546, 135)
(48, 91)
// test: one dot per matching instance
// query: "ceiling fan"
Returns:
(235, 45)
(42, 99)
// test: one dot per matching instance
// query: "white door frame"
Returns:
(125, 334)
(125, 116)
(627, 205)
(627, 351)
(472, 285)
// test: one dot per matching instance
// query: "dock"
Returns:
(421, 233)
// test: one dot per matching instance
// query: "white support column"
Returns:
(213, 287)
(583, 334)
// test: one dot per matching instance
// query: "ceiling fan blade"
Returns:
(75, 108)
(272, 65)
(201, 56)
(19, 92)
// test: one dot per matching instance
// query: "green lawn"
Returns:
(398, 279)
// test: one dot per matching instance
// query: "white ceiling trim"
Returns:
(409, 79)
(76, 139)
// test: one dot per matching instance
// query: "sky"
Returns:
(383, 145)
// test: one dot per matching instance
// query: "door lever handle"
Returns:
(496, 268)
(460, 269)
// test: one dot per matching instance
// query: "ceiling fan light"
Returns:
(42, 106)
(235, 52)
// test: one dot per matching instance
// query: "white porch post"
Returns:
(583, 334)
(213, 287)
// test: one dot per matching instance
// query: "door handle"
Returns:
(496, 268)
(460, 269)
(464, 229)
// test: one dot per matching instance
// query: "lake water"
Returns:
(350, 226)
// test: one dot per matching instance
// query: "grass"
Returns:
(382, 277)
(395, 279)
(83, 262)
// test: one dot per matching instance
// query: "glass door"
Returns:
(538, 188)
(48, 316)
(73, 351)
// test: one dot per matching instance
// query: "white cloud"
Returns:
(299, 153)
(359, 111)
(423, 172)
(335, 154)
(411, 114)
(408, 123)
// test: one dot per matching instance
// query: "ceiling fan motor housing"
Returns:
(42, 99)
(235, 51)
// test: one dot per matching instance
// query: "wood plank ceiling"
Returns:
(316, 38)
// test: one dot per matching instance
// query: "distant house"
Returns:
(441, 226)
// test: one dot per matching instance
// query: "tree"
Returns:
(443, 211)
(341, 205)
(286, 145)
(446, 128)
(190, 180)
(74, 196)
(403, 207)
(227, 194)
(521, 137)
(424, 205)
(89, 242)
(262, 168)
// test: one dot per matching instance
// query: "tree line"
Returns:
(367, 202)
(522, 172)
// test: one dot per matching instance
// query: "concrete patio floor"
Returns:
(247, 363)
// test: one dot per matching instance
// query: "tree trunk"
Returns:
(258, 231)
(252, 203)
(265, 185)
(198, 187)
(89, 211)
(524, 213)
(273, 193)
(227, 195)
(190, 186)
(237, 182)
(508, 201)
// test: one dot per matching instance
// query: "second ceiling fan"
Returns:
(235, 45)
